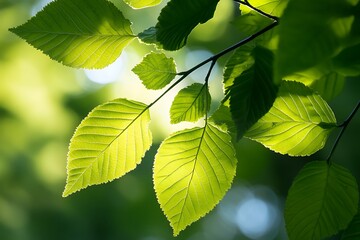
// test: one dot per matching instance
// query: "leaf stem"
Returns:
(246, 3)
(343, 126)
(212, 59)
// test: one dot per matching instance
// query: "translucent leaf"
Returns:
(253, 91)
(251, 23)
(310, 35)
(352, 232)
(178, 18)
(193, 169)
(322, 200)
(298, 123)
(239, 61)
(108, 143)
(190, 104)
(222, 117)
(272, 7)
(156, 70)
(142, 3)
(81, 33)
(329, 86)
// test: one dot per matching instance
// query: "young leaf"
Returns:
(352, 232)
(322, 200)
(193, 169)
(309, 35)
(142, 3)
(156, 70)
(190, 104)
(108, 143)
(253, 91)
(298, 123)
(178, 18)
(81, 33)
(272, 7)
(329, 86)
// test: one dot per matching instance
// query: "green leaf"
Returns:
(329, 86)
(156, 70)
(253, 91)
(179, 17)
(310, 35)
(298, 123)
(191, 103)
(81, 33)
(222, 117)
(251, 23)
(347, 62)
(193, 169)
(322, 200)
(239, 61)
(108, 143)
(149, 36)
(272, 7)
(142, 3)
(352, 232)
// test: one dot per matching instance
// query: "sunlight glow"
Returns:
(109, 74)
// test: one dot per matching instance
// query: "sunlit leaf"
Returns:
(190, 104)
(156, 70)
(352, 232)
(142, 3)
(310, 35)
(81, 33)
(222, 117)
(329, 86)
(178, 18)
(239, 61)
(193, 169)
(272, 7)
(298, 123)
(253, 91)
(108, 143)
(322, 200)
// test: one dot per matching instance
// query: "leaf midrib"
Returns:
(77, 34)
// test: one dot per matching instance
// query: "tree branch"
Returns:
(343, 126)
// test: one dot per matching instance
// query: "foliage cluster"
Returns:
(295, 57)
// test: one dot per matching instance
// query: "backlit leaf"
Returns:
(322, 200)
(193, 169)
(179, 17)
(298, 123)
(190, 104)
(156, 70)
(272, 7)
(329, 86)
(81, 33)
(239, 61)
(311, 35)
(142, 3)
(108, 143)
(253, 91)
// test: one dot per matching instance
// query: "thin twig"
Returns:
(246, 3)
(343, 127)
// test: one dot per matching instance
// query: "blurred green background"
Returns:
(42, 102)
